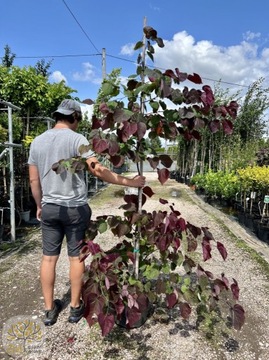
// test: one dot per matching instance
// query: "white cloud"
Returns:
(251, 36)
(154, 8)
(87, 74)
(57, 77)
(127, 49)
(240, 64)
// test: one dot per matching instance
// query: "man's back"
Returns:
(53, 145)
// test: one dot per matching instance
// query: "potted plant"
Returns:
(157, 260)
(170, 274)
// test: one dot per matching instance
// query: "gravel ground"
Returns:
(161, 337)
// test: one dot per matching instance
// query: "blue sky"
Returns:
(220, 40)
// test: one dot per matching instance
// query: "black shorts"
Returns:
(58, 222)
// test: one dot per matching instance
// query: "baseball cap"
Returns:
(68, 107)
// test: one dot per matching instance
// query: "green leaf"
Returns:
(138, 45)
(150, 55)
(147, 286)
(84, 148)
(154, 105)
(203, 281)
(151, 272)
(108, 89)
(166, 268)
(187, 281)
(191, 297)
(184, 288)
(160, 42)
(102, 227)
(132, 280)
(151, 49)
(180, 259)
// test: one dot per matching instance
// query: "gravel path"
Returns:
(159, 338)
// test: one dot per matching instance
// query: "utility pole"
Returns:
(104, 63)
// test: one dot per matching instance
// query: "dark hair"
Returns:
(77, 115)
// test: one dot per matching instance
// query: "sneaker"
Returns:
(51, 316)
(76, 313)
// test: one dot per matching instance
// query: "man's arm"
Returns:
(35, 188)
(109, 176)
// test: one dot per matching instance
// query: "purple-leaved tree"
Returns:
(154, 261)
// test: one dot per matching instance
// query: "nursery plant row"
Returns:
(246, 190)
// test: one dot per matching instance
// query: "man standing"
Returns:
(62, 204)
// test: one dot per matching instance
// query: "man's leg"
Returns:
(75, 227)
(47, 277)
(77, 269)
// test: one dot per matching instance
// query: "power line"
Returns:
(118, 58)
(108, 55)
(56, 56)
(226, 82)
(154, 67)
(99, 53)
(87, 36)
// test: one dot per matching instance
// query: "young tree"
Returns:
(155, 145)
(43, 68)
(30, 91)
(109, 89)
(251, 122)
(157, 257)
(8, 58)
(221, 151)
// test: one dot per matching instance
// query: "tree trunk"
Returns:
(28, 122)
(195, 158)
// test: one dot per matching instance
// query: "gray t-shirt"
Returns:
(64, 189)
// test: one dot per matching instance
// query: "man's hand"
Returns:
(38, 214)
(139, 181)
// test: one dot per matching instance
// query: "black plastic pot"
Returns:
(241, 218)
(249, 221)
(1, 232)
(263, 233)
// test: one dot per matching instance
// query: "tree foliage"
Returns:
(222, 152)
(32, 92)
(251, 123)
(109, 89)
(8, 58)
(43, 68)
(166, 248)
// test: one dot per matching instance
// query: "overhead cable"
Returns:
(87, 36)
